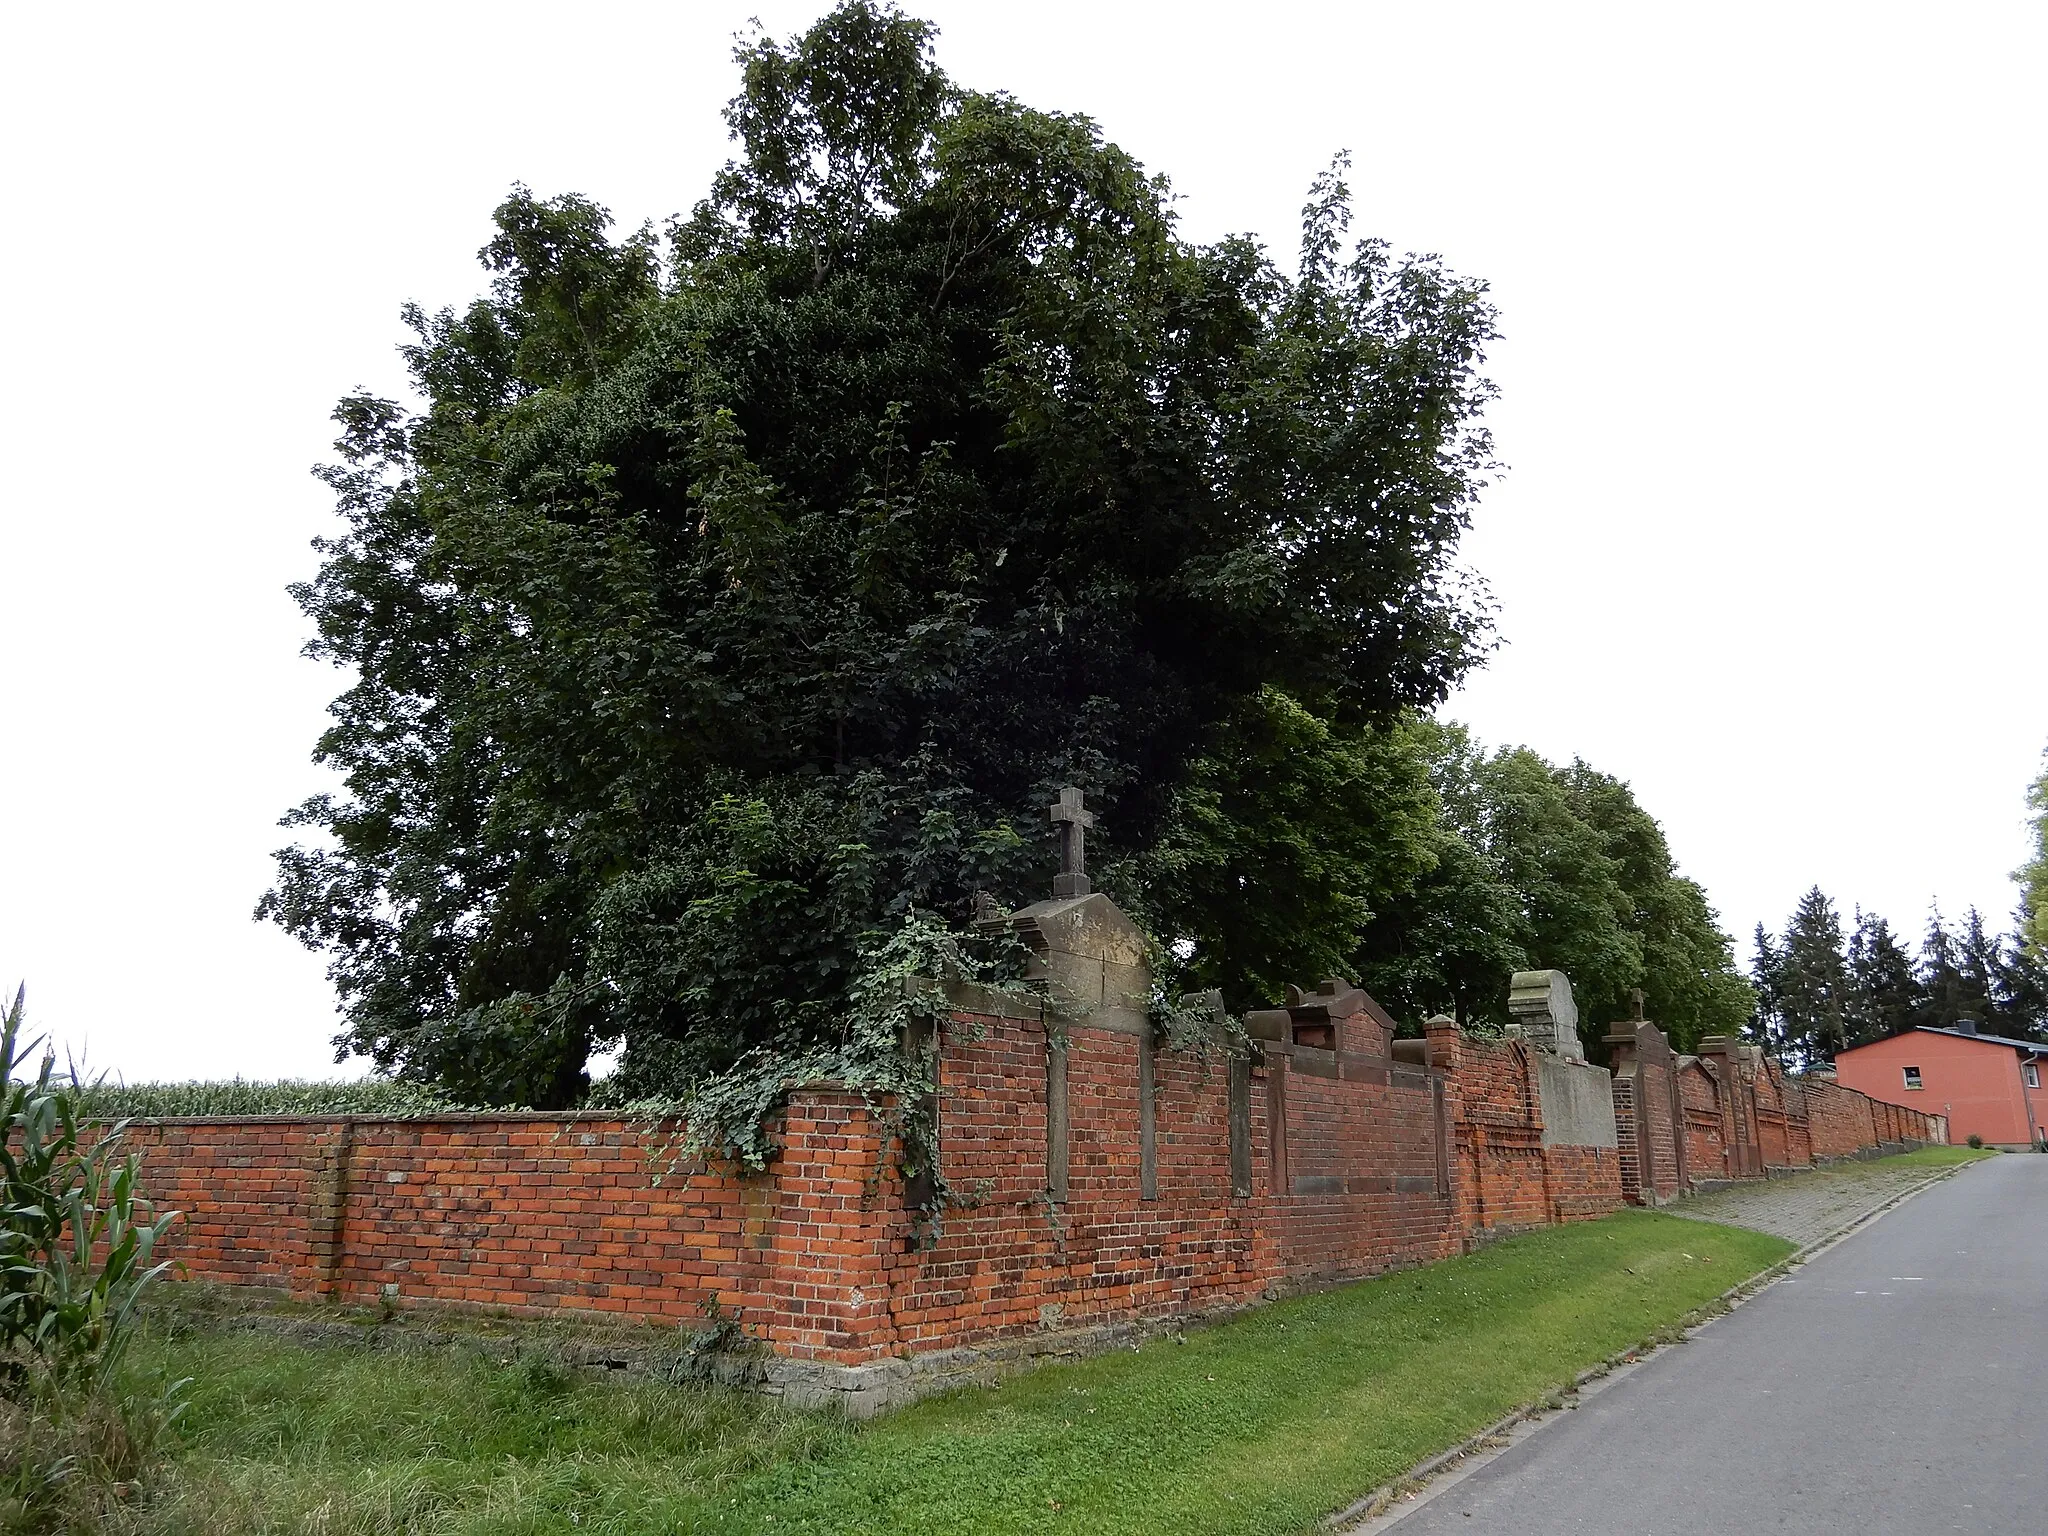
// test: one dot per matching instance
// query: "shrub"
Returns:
(1977, 1142)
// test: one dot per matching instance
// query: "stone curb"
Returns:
(1375, 1510)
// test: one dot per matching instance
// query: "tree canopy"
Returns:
(1534, 866)
(2033, 875)
(737, 591)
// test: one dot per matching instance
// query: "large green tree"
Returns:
(731, 596)
(1290, 836)
(1689, 978)
(1536, 866)
(2033, 875)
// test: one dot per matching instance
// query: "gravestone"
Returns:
(1577, 1097)
(1541, 1003)
(1316, 1019)
(1073, 820)
(1090, 958)
(1086, 951)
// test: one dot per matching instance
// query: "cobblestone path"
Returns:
(1806, 1207)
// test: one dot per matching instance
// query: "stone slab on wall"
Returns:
(1510, 1175)
(1578, 1103)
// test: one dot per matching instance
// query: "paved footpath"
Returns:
(1897, 1383)
(1807, 1207)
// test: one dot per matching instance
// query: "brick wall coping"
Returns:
(1315, 1061)
(444, 1117)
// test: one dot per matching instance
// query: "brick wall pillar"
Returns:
(1738, 1119)
(1631, 1125)
(326, 1212)
(839, 1224)
(1446, 1053)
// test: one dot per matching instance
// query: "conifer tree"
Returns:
(1942, 991)
(1883, 991)
(1766, 1025)
(2019, 969)
(1814, 980)
(1980, 963)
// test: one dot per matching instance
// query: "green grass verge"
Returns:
(1263, 1424)
(1939, 1157)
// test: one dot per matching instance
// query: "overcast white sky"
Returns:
(1771, 548)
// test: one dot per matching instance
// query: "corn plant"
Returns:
(106, 1100)
(77, 1236)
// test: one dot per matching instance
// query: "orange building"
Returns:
(1987, 1085)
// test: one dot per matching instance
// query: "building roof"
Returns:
(2036, 1046)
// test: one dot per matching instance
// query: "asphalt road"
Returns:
(1897, 1383)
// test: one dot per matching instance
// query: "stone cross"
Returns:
(1635, 1003)
(1074, 823)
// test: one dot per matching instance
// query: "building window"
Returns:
(1912, 1077)
(2033, 1075)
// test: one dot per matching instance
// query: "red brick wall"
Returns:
(1660, 1090)
(1500, 1137)
(1798, 1120)
(1627, 1136)
(526, 1212)
(534, 1214)
(1361, 1167)
(1772, 1130)
(1507, 1177)
(1798, 1132)
(1647, 1121)
(249, 1191)
(1706, 1145)
(1006, 1259)
(1387, 1163)
(1838, 1119)
(1583, 1182)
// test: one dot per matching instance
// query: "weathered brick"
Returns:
(1388, 1163)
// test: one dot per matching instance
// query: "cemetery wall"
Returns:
(1773, 1129)
(1648, 1114)
(1840, 1118)
(1659, 1088)
(526, 1212)
(1158, 1183)
(1004, 1258)
(1628, 1142)
(1512, 1174)
(1337, 1176)
(1791, 1094)
(1707, 1153)
(1742, 1117)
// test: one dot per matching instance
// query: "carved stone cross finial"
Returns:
(1074, 822)
(1635, 1003)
